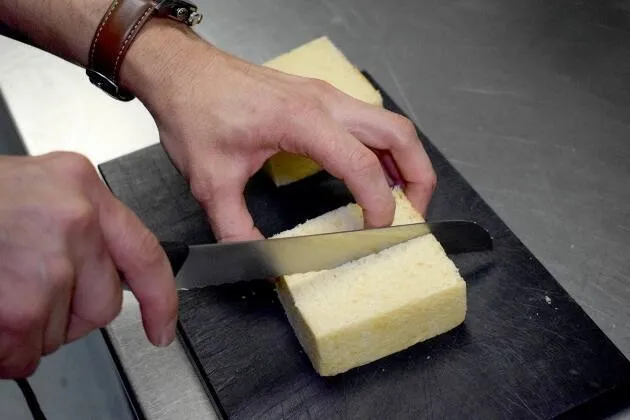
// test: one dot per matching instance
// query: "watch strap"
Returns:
(115, 34)
(112, 39)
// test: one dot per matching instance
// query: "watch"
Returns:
(116, 31)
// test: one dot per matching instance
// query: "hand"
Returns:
(221, 118)
(63, 237)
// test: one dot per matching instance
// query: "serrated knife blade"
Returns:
(198, 266)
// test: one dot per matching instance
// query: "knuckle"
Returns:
(101, 315)
(205, 186)
(406, 128)
(152, 254)
(320, 86)
(60, 271)
(78, 214)
(201, 187)
(29, 317)
(110, 311)
(363, 162)
(405, 125)
(304, 108)
(77, 164)
(74, 164)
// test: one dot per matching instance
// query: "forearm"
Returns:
(66, 28)
(62, 27)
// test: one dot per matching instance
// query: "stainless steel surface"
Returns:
(214, 264)
(77, 382)
(529, 100)
(10, 142)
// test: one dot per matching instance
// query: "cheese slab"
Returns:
(375, 306)
(317, 59)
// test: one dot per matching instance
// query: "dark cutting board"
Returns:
(526, 349)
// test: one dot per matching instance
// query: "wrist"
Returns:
(158, 59)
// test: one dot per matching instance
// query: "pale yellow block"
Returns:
(376, 306)
(321, 59)
(317, 59)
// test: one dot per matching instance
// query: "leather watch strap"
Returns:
(116, 31)
(115, 34)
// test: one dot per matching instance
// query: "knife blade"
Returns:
(198, 266)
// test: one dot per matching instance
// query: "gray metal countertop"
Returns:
(530, 100)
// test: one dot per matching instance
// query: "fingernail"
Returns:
(168, 335)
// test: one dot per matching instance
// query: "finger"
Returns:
(344, 157)
(136, 252)
(395, 134)
(393, 174)
(417, 172)
(230, 219)
(97, 292)
(19, 354)
(23, 315)
(225, 205)
(60, 279)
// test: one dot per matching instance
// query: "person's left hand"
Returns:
(221, 118)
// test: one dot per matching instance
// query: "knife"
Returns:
(197, 266)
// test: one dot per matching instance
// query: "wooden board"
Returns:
(526, 349)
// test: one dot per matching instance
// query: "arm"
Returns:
(259, 111)
(219, 119)
(62, 27)
(66, 27)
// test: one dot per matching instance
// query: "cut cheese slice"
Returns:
(375, 306)
(317, 59)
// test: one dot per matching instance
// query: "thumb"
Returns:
(137, 253)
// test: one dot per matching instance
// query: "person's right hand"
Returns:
(63, 239)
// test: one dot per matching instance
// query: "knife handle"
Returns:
(177, 252)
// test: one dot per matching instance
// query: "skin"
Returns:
(64, 238)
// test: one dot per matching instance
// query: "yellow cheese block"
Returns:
(317, 59)
(375, 306)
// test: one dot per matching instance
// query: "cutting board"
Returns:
(525, 350)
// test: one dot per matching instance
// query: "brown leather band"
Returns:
(118, 28)
(116, 31)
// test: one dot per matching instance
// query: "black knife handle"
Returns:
(177, 252)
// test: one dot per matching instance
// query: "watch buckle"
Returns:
(181, 11)
(108, 86)
(189, 16)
